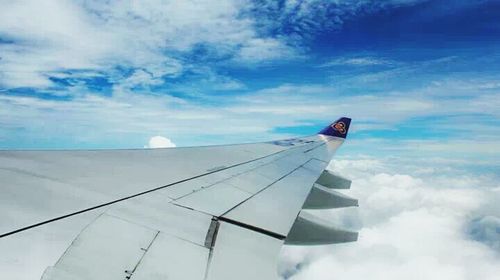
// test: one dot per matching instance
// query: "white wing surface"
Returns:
(220, 212)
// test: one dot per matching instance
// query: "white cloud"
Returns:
(96, 37)
(255, 115)
(159, 142)
(411, 227)
(258, 50)
(358, 61)
(49, 38)
(54, 36)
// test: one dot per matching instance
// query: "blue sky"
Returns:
(418, 77)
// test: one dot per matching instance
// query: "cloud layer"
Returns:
(412, 226)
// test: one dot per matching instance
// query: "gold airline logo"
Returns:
(340, 127)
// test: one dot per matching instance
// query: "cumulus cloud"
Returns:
(411, 227)
(159, 142)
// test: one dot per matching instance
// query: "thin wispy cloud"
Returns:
(358, 61)
(306, 18)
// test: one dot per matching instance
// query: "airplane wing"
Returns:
(216, 212)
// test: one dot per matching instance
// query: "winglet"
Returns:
(338, 129)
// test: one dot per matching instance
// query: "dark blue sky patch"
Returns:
(32, 92)
(4, 40)
(121, 71)
(435, 24)
(97, 84)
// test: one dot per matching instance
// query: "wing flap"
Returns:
(109, 248)
(243, 254)
(112, 248)
(173, 259)
(275, 208)
(154, 211)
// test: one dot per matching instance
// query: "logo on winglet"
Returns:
(340, 127)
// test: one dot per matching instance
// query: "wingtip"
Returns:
(339, 128)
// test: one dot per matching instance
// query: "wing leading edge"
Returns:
(206, 222)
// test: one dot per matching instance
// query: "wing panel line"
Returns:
(253, 228)
(281, 178)
(134, 195)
